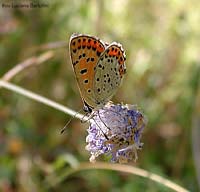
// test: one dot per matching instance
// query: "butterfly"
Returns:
(99, 68)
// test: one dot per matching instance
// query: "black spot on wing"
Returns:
(98, 53)
(83, 71)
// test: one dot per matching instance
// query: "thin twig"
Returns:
(27, 63)
(51, 45)
(41, 99)
(52, 181)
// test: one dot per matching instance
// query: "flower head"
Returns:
(115, 130)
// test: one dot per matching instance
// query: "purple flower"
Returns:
(115, 130)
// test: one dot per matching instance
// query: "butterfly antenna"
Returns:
(66, 125)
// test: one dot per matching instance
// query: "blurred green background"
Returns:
(162, 44)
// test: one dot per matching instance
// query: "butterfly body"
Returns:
(99, 69)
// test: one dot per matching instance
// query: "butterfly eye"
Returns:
(87, 108)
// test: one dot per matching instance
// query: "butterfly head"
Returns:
(87, 108)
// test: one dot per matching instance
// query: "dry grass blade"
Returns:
(27, 63)
(53, 181)
(51, 45)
